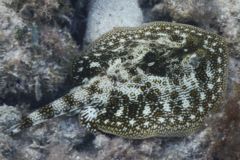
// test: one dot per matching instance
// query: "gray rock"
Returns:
(34, 55)
(104, 15)
(9, 115)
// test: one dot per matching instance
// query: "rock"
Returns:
(34, 54)
(9, 115)
(234, 78)
(7, 148)
(104, 15)
(225, 138)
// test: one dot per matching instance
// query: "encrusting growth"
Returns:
(160, 79)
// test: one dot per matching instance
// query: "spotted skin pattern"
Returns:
(160, 79)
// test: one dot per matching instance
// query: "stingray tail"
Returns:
(61, 106)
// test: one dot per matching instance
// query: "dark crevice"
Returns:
(86, 144)
(79, 21)
(149, 14)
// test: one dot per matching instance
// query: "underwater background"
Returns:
(38, 40)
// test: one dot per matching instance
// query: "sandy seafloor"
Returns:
(37, 42)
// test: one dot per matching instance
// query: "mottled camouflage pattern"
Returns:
(160, 79)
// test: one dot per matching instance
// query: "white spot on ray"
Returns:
(155, 126)
(102, 48)
(219, 60)
(151, 64)
(147, 110)
(220, 90)
(110, 43)
(97, 54)
(85, 80)
(210, 86)
(177, 31)
(202, 96)
(106, 121)
(94, 64)
(171, 120)
(192, 117)
(131, 122)
(148, 33)
(130, 37)
(180, 118)
(208, 48)
(89, 113)
(136, 36)
(200, 109)
(186, 103)
(220, 50)
(209, 105)
(211, 50)
(213, 97)
(119, 112)
(137, 128)
(146, 124)
(220, 70)
(166, 107)
(80, 69)
(209, 71)
(122, 40)
(161, 120)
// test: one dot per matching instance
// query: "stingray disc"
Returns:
(160, 79)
